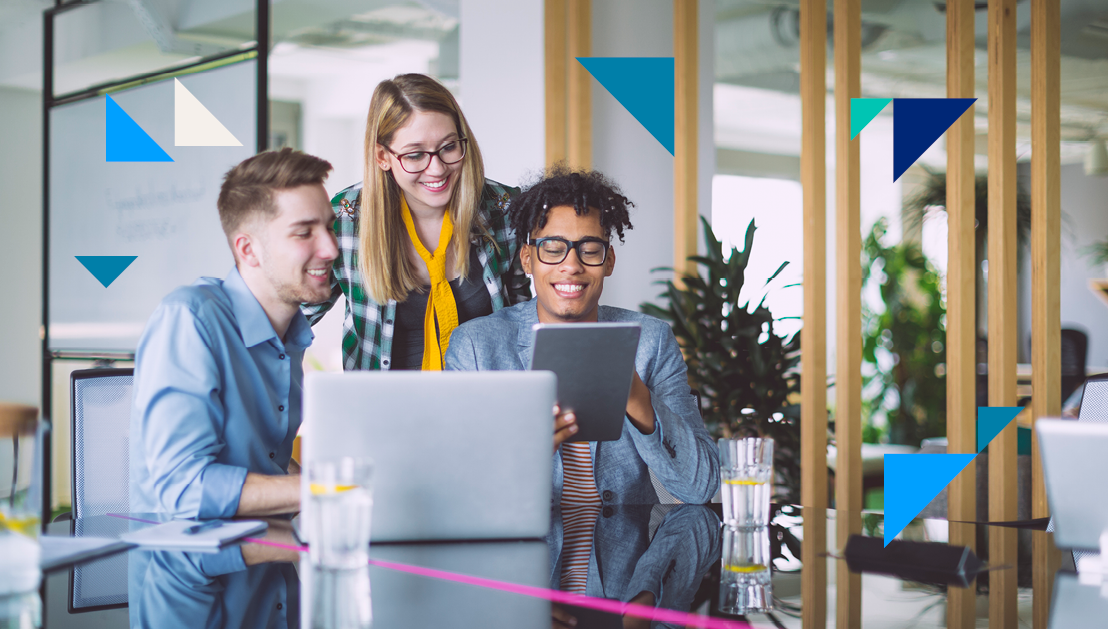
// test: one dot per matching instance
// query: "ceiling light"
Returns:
(1096, 159)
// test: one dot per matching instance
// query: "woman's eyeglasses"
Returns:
(417, 162)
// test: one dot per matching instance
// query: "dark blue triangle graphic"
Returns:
(991, 420)
(917, 123)
(106, 268)
(124, 139)
(912, 481)
(644, 86)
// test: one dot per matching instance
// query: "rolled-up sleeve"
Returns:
(180, 419)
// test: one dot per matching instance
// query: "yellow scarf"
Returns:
(440, 302)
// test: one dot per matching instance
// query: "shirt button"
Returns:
(271, 455)
(609, 512)
(282, 357)
(388, 321)
(280, 606)
(385, 362)
(281, 408)
(607, 495)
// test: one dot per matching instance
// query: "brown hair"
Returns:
(383, 259)
(247, 189)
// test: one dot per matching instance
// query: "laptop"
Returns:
(1073, 455)
(456, 455)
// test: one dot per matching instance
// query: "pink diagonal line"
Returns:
(554, 596)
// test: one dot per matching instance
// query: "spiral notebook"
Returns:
(172, 535)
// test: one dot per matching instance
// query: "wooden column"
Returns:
(556, 56)
(1002, 305)
(961, 327)
(579, 107)
(1046, 327)
(813, 336)
(848, 309)
(686, 86)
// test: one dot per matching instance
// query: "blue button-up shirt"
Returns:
(216, 395)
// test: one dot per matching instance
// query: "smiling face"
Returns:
(425, 131)
(295, 248)
(570, 291)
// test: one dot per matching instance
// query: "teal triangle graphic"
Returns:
(644, 86)
(991, 420)
(912, 481)
(125, 140)
(863, 111)
(106, 268)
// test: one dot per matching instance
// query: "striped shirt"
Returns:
(580, 509)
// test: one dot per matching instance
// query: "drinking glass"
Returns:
(746, 584)
(340, 512)
(341, 598)
(20, 498)
(746, 475)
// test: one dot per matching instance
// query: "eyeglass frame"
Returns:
(431, 154)
(574, 245)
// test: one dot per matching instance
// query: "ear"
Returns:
(525, 258)
(381, 156)
(610, 261)
(245, 249)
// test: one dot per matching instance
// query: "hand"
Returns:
(560, 618)
(640, 409)
(565, 426)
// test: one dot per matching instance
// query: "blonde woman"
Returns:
(424, 242)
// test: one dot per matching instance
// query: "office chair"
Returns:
(1075, 349)
(100, 483)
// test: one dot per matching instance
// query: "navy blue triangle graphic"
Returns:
(918, 122)
(125, 140)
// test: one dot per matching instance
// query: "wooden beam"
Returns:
(579, 109)
(813, 336)
(1046, 325)
(556, 47)
(961, 327)
(685, 133)
(848, 309)
(1003, 342)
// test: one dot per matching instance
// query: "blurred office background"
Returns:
(327, 56)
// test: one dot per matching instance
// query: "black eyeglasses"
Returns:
(417, 162)
(591, 251)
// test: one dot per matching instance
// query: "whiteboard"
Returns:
(163, 212)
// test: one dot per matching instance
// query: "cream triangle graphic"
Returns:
(194, 125)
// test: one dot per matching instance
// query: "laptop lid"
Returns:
(456, 455)
(1074, 463)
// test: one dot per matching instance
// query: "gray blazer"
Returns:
(679, 451)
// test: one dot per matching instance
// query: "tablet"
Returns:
(594, 363)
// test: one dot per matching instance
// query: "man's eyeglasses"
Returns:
(591, 251)
(417, 162)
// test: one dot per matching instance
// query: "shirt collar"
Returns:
(254, 325)
(529, 316)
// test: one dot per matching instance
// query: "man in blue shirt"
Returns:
(218, 374)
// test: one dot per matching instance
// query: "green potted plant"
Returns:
(746, 375)
(1098, 253)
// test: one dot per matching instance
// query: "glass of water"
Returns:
(20, 498)
(746, 475)
(340, 512)
(746, 583)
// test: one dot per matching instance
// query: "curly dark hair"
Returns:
(581, 189)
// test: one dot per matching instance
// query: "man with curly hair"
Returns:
(564, 224)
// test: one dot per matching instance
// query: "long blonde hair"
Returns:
(383, 260)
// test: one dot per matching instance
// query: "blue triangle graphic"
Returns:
(918, 122)
(644, 86)
(106, 268)
(912, 481)
(124, 139)
(991, 420)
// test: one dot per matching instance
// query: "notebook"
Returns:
(171, 535)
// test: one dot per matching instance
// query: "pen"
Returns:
(200, 528)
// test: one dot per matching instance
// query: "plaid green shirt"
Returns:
(368, 328)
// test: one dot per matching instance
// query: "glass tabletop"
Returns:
(645, 566)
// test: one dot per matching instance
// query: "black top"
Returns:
(471, 297)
